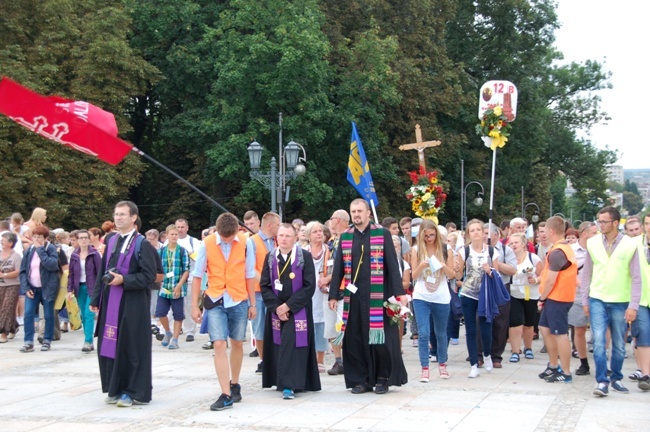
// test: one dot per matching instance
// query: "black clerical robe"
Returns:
(285, 365)
(365, 363)
(130, 372)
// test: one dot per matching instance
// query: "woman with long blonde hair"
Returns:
(432, 266)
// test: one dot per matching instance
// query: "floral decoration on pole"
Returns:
(427, 196)
(494, 128)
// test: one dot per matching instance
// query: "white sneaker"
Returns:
(473, 372)
(21, 320)
(487, 363)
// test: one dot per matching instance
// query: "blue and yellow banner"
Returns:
(359, 170)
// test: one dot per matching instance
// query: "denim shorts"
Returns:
(555, 316)
(258, 322)
(224, 323)
(164, 304)
(319, 337)
(641, 327)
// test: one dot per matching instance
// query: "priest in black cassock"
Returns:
(366, 260)
(288, 282)
(123, 325)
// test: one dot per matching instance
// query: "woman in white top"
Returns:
(320, 255)
(431, 265)
(472, 268)
(524, 293)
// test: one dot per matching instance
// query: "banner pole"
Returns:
(374, 211)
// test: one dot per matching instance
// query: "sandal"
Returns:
(514, 358)
(528, 353)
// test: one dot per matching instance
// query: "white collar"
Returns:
(127, 235)
(294, 252)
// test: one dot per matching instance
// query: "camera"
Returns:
(108, 277)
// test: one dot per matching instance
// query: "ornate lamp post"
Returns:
(276, 180)
(535, 217)
(478, 201)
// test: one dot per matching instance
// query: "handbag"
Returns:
(455, 306)
(63, 291)
(74, 313)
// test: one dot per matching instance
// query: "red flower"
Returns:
(409, 196)
(422, 171)
(414, 177)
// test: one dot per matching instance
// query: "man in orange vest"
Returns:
(557, 292)
(229, 260)
(263, 243)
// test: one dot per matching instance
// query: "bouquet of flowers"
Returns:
(494, 128)
(426, 195)
(396, 311)
(527, 270)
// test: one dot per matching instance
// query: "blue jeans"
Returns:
(601, 316)
(470, 307)
(440, 313)
(87, 316)
(31, 306)
(224, 323)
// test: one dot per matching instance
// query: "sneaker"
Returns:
(415, 343)
(644, 383)
(528, 353)
(173, 344)
(112, 400)
(88, 347)
(259, 368)
(549, 371)
(166, 339)
(487, 363)
(473, 372)
(207, 346)
(583, 370)
(559, 377)
(288, 394)
(46, 346)
(636, 375)
(619, 387)
(424, 377)
(433, 358)
(125, 401)
(337, 369)
(27, 348)
(235, 392)
(189, 338)
(224, 402)
(21, 320)
(601, 390)
(442, 371)
(254, 353)
(454, 341)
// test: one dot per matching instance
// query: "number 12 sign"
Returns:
(495, 93)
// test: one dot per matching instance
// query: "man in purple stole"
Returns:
(287, 283)
(123, 325)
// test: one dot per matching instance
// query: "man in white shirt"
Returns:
(191, 244)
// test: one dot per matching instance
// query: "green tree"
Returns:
(632, 202)
(79, 50)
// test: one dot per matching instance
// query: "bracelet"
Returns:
(250, 306)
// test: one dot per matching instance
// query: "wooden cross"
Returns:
(420, 145)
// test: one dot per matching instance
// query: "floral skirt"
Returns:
(8, 303)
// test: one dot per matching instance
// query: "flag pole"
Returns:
(374, 211)
(190, 185)
(494, 161)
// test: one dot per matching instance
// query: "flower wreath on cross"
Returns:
(427, 195)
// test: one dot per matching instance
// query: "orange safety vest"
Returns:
(260, 256)
(564, 289)
(226, 275)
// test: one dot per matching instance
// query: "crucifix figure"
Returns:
(419, 145)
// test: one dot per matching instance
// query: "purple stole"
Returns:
(110, 332)
(300, 317)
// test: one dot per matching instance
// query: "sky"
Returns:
(617, 35)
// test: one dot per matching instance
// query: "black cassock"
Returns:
(130, 372)
(362, 362)
(286, 366)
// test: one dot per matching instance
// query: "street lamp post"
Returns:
(290, 167)
(535, 217)
(477, 201)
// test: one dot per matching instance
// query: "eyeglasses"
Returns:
(428, 236)
(603, 222)
(83, 238)
(334, 217)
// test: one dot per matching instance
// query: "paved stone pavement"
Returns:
(60, 390)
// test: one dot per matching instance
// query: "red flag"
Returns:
(76, 124)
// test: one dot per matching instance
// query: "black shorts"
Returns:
(522, 312)
(555, 316)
